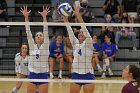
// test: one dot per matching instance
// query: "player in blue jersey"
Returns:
(96, 53)
(56, 55)
(82, 52)
(109, 50)
(39, 53)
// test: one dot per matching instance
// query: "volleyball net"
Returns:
(10, 45)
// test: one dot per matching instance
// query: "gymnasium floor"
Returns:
(6, 87)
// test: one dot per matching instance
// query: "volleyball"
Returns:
(65, 9)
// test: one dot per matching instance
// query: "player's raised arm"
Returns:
(83, 28)
(72, 37)
(44, 15)
(26, 13)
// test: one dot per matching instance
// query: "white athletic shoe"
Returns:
(51, 76)
(103, 76)
(60, 76)
(110, 73)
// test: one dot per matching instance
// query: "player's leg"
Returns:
(96, 60)
(18, 84)
(43, 88)
(75, 88)
(31, 88)
(61, 64)
(108, 67)
(104, 69)
(51, 64)
(88, 88)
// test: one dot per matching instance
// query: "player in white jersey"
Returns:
(21, 65)
(83, 50)
(39, 52)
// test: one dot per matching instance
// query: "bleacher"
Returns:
(11, 38)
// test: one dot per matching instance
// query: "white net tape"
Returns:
(63, 80)
(71, 24)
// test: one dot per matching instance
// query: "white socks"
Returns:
(60, 74)
(51, 75)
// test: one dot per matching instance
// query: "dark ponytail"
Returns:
(138, 79)
(135, 73)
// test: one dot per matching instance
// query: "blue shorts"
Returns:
(38, 76)
(87, 76)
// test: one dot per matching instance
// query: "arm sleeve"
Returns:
(46, 36)
(72, 37)
(16, 64)
(29, 36)
(88, 37)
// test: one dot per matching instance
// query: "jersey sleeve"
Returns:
(46, 36)
(29, 36)
(17, 64)
(88, 40)
(72, 37)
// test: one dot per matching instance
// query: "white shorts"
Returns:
(132, 14)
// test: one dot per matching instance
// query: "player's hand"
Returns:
(76, 10)
(45, 11)
(25, 11)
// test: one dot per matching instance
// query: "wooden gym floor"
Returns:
(6, 87)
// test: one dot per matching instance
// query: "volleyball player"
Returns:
(39, 52)
(83, 50)
(56, 49)
(96, 53)
(21, 65)
(109, 51)
(132, 74)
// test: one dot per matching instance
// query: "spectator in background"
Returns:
(130, 6)
(132, 74)
(58, 30)
(109, 51)
(56, 55)
(126, 32)
(68, 54)
(107, 29)
(3, 10)
(96, 53)
(112, 7)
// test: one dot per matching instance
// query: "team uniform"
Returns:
(54, 49)
(21, 64)
(96, 47)
(81, 67)
(109, 50)
(130, 87)
(38, 61)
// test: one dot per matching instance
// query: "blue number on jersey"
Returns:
(25, 64)
(80, 52)
(37, 56)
